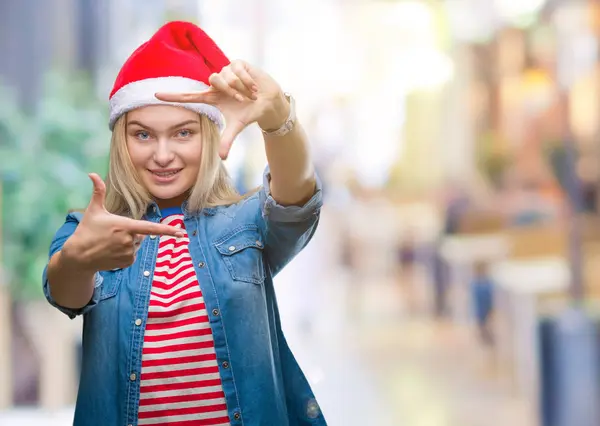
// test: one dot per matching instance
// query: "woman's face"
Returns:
(165, 146)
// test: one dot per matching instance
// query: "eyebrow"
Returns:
(183, 123)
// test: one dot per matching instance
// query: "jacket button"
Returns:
(152, 237)
(215, 312)
(201, 265)
(132, 377)
(231, 248)
(258, 244)
(138, 322)
(146, 273)
(194, 233)
(237, 416)
(225, 364)
(312, 409)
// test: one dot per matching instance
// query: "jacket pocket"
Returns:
(242, 253)
(110, 282)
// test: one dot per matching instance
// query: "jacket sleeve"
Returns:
(288, 229)
(61, 236)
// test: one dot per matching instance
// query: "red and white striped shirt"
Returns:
(180, 382)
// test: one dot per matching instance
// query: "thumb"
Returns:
(232, 130)
(99, 194)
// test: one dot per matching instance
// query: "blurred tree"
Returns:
(555, 155)
(44, 161)
(493, 158)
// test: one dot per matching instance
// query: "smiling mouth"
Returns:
(165, 174)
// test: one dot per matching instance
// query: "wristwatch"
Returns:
(289, 122)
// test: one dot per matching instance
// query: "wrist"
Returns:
(276, 114)
(74, 255)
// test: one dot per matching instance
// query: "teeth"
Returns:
(166, 174)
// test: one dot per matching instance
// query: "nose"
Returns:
(163, 155)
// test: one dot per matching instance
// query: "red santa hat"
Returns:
(180, 57)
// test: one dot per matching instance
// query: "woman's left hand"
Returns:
(244, 95)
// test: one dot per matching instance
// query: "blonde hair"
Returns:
(127, 196)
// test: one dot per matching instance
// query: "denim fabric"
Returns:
(236, 250)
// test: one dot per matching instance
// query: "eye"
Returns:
(185, 133)
(142, 135)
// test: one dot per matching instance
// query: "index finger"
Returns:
(245, 78)
(185, 97)
(144, 227)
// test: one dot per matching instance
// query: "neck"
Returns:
(171, 202)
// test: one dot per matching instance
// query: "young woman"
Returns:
(170, 268)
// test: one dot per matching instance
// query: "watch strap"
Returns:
(289, 123)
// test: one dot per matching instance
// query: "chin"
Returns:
(172, 192)
(167, 194)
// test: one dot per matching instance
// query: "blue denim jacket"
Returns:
(236, 251)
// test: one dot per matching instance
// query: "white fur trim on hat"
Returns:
(141, 93)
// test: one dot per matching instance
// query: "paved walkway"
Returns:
(370, 363)
(378, 366)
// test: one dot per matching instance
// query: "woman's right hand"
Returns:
(105, 241)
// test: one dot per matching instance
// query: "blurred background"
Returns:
(454, 277)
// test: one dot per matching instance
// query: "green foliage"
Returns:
(493, 158)
(555, 154)
(44, 160)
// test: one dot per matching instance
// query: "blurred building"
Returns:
(37, 36)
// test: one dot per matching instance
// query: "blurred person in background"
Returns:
(455, 203)
(407, 258)
(171, 269)
(482, 299)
